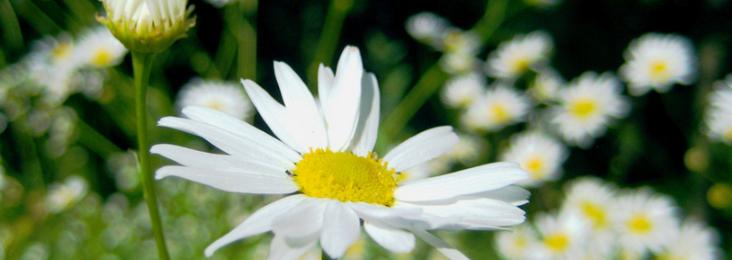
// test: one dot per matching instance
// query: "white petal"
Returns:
(369, 119)
(232, 181)
(405, 217)
(257, 223)
(394, 240)
(325, 84)
(301, 224)
(472, 214)
(425, 146)
(469, 181)
(228, 142)
(273, 113)
(304, 115)
(198, 159)
(240, 128)
(279, 249)
(344, 100)
(441, 246)
(341, 227)
(514, 195)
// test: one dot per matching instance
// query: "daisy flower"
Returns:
(693, 241)
(587, 106)
(498, 107)
(540, 155)
(545, 87)
(428, 28)
(592, 202)
(517, 243)
(561, 235)
(644, 221)
(462, 90)
(657, 61)
(519, 55)
(98, 48)
(62, 195)
(719, 115)
(217, 95)
(332, 180)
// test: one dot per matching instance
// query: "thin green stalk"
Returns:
(141, 63)
(95, 141)
(247, 39)
(10, 26)
(337, 12)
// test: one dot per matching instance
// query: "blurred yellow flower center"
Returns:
(583, 108)
(61, 51)
(728, 135)
(500, 113)
(521, 242)
(520, 64)
(659, 70)
(535, 166)
(595, 213)
(557, 242)
(102, 57)
(344, 176)
(215, 105)
(640, 224)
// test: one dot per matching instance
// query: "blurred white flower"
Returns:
(62, 195)
(644, 221)
(587, 106)
(517, 243)
(593, 202)
(462, 90)
(538, 154)
(434, 167)
(498, 107)
(98, 48)
(217, 95)
(693, 241)
(428, 28)
(546, 86)
(657, 61)
(719, 114)
(468, 148)
(561, 235)
(458, 62)
(519, 55)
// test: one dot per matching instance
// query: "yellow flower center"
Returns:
(345, 176)
(583, 108)
(640, 224)
(500, 113)
(101, 58)
(215, 105)
(728, 135)
(520, 64)
(535, 167)
(61, 51)
(595, 213)
(659, 71)
(558, 242)
(521, 242)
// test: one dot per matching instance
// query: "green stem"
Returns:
(141, 68)
(247, 38)
(337, 12)
(11, 28)
(95, 141)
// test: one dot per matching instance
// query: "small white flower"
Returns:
(587, 106)
(332, 181)
(458, 62)
(657, 61)
(517, 243)
(428, 28)
(538, 154)
(644, 221)
(546, 86)
(61, 196)
(498, 107)
(217, 95)
(593, 202)
(693, 241)
(561, 235)
(719, 115)
(468, 148)
(462, 90)
(98, 48)
(519, 55)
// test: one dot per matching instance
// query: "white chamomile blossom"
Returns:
(462, 90)
(332, 181)
(498, 107)
(644, 221)
(693, 241)
(537, 153)
(217, 95)
(587, 106)
(561, 236)
(545, 87)
(657, 61)
(428, 28)
(593, 202)
(98, 48)
(519, 55)
(719, 114)
(467, 149)
(516, 243)
(62, 195)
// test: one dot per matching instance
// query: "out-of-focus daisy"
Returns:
(545, 87)
(498, 107)
(98, 48)
(693, 241)
(657, 61)
(462, 90)
(428, 28)
(644, 221)
(62, 195)
(458, 62)
(467, 149)
(517, 243)
(460, 50)
(323, 162)
(587, 106)
(217, 95)
(538, 154)
(561, 235)
(719, 115)
(519, 55)
(593, 202)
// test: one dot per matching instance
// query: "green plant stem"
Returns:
(10, 26)
(337, 12)
(141, 68)
(95, 141)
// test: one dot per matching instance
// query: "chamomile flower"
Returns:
(217, 95)
(657, 61)
(99, 49)
(545, 87)
(332, 181)
(588, 105)
(644, 221)
(498, 107)
(517, 243)
(561, 236)
(519, 55)
(593, 203)
(62, 195)
(462, 90)
(719, 115)
(428, 28)
(693, 241)
(537, 153)
(467, 149)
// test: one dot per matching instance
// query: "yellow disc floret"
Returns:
(344, 176)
